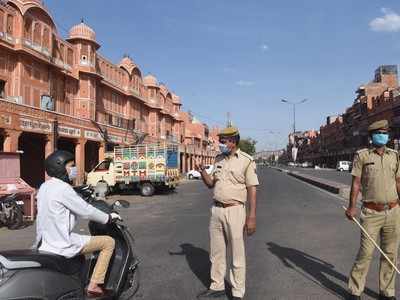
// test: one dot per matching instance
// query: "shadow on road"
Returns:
(198, 260)
(314, 269)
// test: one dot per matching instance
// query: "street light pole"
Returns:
(294, 111)
(294, 147)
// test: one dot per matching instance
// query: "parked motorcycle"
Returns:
(11, 211)
(33, 274)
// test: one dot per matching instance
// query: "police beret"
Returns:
(228, 132)
(382, 124)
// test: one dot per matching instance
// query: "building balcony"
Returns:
(8, 38)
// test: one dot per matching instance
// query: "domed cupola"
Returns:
(83, 32)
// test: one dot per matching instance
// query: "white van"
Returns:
(343, 165)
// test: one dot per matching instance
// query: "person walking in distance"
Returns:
(376, 172)
(234, 180)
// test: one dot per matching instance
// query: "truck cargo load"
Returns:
(144, 166)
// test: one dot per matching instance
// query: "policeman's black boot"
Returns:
(382, 297)
(353, 297)
(211, 294)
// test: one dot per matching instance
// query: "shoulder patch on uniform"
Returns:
(362, 150)
(392, 150)
(246, 155)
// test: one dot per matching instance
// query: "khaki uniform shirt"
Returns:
(378, 174)
(233, 174)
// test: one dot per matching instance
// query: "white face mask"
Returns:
(73, 173)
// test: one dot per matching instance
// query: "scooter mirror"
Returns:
(121, 203)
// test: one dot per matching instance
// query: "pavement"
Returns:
(303, 248)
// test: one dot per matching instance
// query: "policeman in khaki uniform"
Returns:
(234, 180)
(376, 172)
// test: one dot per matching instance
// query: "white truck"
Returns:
(144, 166)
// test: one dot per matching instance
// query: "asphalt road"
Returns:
(303, 247)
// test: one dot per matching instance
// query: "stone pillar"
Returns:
(189, 157)
(48, 149)
(11, 138)
(49, 145)
(183, 163)
(193, 161)
(80, 160)
(102, 150)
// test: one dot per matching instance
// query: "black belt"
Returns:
(225, 205)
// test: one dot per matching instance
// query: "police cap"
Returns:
(229, 132)
(382, 124)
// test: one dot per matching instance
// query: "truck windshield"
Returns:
(104, 166)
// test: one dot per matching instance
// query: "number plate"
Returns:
(20, 202)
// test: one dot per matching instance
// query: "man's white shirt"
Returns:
(58, 208)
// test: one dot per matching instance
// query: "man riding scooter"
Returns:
(58, 208)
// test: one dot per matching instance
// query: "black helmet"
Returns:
(55, 164)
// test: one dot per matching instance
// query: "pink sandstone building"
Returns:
(63, 94)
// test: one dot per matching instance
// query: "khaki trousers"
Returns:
(226, 229)
(105, 245)
(384, 225)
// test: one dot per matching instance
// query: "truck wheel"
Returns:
(147, 189)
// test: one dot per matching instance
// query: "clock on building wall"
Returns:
(46, 102)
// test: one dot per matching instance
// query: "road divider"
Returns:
(334, 187)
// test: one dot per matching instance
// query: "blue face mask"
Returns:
(380, 139)
(73, 173)
(224, 149)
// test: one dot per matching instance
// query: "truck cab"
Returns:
(103, 172)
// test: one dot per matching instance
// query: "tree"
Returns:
(248, 145)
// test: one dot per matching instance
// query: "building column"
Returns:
(48, 149)
(11, 138)
(102, 150)
(49, 145)
(183, 162)
(189, 162)
(80, 160)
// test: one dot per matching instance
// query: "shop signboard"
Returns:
(34, 125)
(69, 131)
(92, 135)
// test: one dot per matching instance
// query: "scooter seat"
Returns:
(68, 266)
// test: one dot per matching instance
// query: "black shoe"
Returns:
(353, 297)
(236, 298)
(211, 294)
(382, 297)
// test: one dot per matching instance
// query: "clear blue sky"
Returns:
(244, 56)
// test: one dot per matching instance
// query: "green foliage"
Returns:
(248, 145)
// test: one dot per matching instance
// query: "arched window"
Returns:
(1, 20)
(37, 33)
(70, 57)
(46, 38)
(55, 46)
(28, 29)
(62, 52)
(84, 54)
(10, 24)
